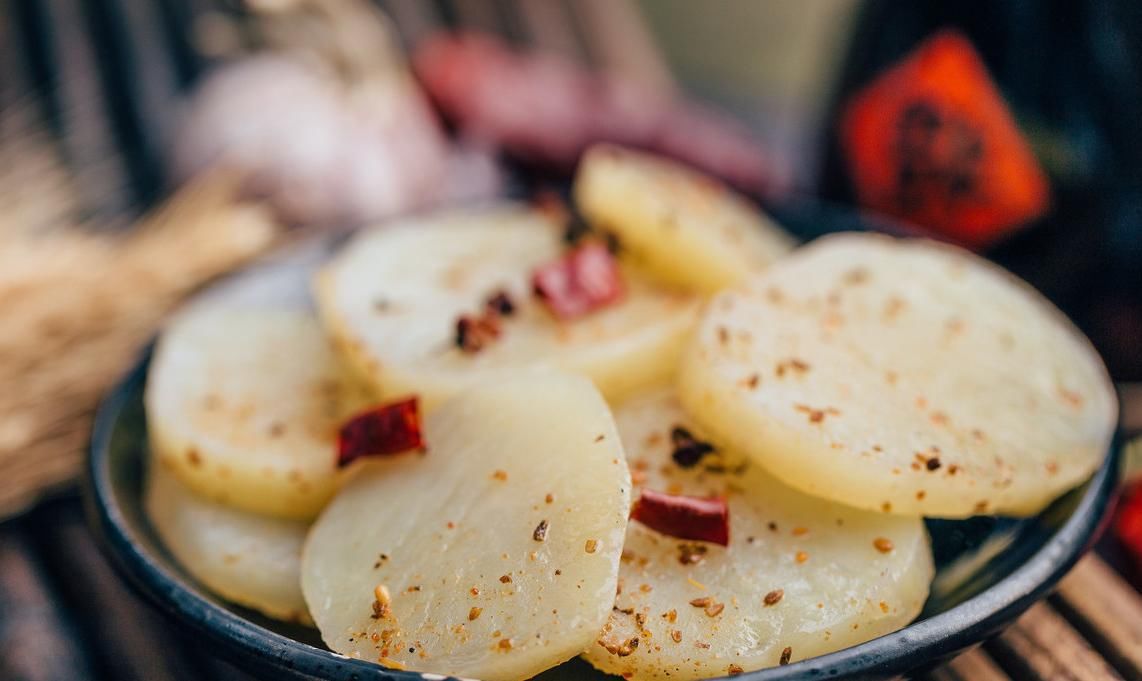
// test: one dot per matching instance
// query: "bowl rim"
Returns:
(934, 638)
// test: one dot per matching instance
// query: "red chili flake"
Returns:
(475, 333)
(389, 429)
(688, 450)
(582, 281)
(1128, 525)
(684, 517)
(500, 303)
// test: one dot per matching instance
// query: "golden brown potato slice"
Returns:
(495, 555)
(799, 573)
(392, 298)
(902, 376)
(244, 404)
(683, 227)
(249, 559)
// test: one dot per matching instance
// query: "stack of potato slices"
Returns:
(666, 441)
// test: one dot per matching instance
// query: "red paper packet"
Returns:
(930, 141)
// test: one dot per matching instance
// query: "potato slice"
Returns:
(903, 376)
(393, 297)
(499, 549)
(244, 403)
(798, 573)
(684, 227)
(251, 560)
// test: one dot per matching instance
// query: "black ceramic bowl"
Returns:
(989, 570)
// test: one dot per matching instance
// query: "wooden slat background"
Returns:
(87, 90)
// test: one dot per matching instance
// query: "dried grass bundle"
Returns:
(75, 309)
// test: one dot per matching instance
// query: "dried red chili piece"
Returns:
(1128, 525)
(383, 431)
(582, 281)
(693, 518)
(688, 450)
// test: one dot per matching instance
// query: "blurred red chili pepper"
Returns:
(1128, 524)
(583, 280)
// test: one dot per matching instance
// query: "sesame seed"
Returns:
(381, 601)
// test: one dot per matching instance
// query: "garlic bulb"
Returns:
(322, 152)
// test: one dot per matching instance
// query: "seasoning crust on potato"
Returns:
(901, 376)
(658, 438)
(393, 300)
(683, 227)
(244, 404)
(494, 555)
(799, 573)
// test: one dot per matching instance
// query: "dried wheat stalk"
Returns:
(75, 309)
